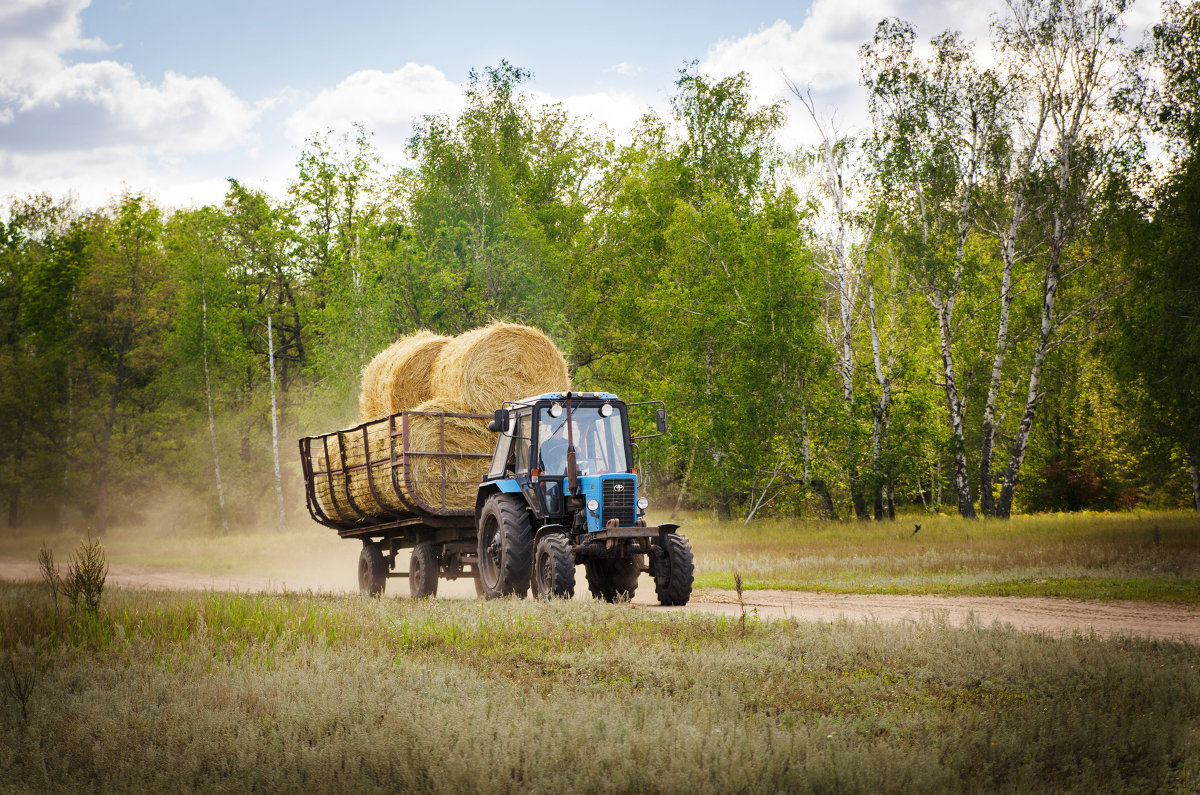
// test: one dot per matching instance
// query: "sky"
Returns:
(173, 98)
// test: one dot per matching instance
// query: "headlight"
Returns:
(593, 505)
(555, 410)
(606, 410)
(643, 503)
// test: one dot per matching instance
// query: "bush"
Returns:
(86, 573)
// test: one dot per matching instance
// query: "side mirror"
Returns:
(660, 420)
(500, 422)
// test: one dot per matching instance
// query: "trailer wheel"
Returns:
(372, 569)
(674, 570)
(554, 568)
(505, 547)
(611, 579)
(423, 571)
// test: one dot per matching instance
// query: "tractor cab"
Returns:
(535, 455)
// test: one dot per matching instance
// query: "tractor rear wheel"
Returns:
(674, 570)
(554, 567)
(423, 571)
(505, 547)
(611, 579)
(372, 569)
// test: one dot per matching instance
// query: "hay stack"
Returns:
(378, 445)
(331, 491)
(462, 435)
(481, 369)
(397, 379)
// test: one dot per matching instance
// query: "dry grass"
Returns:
(1138, 555)
(161, 691)
(397, 379)
(482, 368)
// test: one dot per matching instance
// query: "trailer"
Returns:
(360, 482)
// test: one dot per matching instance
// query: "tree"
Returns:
(701, 291)
(935, 117)
(1159, 316)
(1066, 52)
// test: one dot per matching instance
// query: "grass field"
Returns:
(1152, 556)
(202, 691)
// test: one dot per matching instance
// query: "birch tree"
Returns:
(934, 118)
(1066, 53)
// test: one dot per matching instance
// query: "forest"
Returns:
(987, 303)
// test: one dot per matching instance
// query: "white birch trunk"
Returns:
(275, 430)
(990, 428)
(1194, 470)
(962, 483)
(212, 425)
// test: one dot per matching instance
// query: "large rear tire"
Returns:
(613, 579)
(423, 571)
(372, 569)
(505, 547)
(674, 573)
(554, 568)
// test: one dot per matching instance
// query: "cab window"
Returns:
(504, 444)
(521, 442)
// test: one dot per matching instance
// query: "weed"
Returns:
(737, 584)
(50, 574)
(19, 683)
(86, 573)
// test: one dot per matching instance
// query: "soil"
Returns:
(1031, 614)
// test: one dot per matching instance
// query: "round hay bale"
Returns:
(398, 377)
(462, 435)
(481, 369)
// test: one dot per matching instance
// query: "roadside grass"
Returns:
(1141, 555)
(208, 691)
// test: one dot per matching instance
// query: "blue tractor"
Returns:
(563, 490)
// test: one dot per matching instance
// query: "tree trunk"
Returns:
(1194, 470)
(275, 430)
(822, 490)
(962, 483)
(212, 426)
(687, 473)
(987, 501)
(1033, 397)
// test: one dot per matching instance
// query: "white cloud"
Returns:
(625, 69)
(822, 54)
(386, 103)
(78, 124)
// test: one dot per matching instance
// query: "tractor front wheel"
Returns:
(554, 568)
(613, 579)
(505, 547)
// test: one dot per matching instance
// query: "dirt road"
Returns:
(1050, 616)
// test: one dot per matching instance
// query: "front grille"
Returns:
(619, 501)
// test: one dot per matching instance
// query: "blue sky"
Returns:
(174, 97)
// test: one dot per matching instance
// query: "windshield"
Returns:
(599, 442)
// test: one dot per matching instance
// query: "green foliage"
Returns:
(689, 264)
